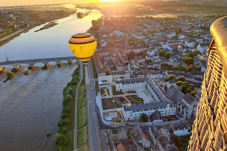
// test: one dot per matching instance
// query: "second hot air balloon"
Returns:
(83, 46)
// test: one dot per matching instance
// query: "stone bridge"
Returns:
(41, 62)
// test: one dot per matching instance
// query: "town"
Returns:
(150, 73)
(23, 18)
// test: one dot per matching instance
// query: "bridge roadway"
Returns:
(37, 60)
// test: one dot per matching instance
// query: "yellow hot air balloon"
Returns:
(83, 46)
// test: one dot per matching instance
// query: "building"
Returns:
(202, 48)
(209, 131)
(134, 112)
(139, 137)
(141, 83)
(4, 11)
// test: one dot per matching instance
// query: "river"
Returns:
(31, 106)
(48, 43)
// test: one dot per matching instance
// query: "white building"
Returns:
(189, 43)
(4, 11)
(202, 48)
(134, 112)
(171, 34)
(181, 129)
(118, 33)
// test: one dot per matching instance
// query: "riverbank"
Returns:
(31, 106)
(8, 38)
(159, 15)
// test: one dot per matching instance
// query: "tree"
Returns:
(197, 52)
(107, 73)
(191, 67)
(171, 77)
(62, 140)
(178, 30)
(179, 83)
(191, 86)
(148, 61)
(168, 117)
(175, 67)
(188, 90)
(182, 68)
(10, 75)
(162, 52)
(191, 54)
(182, 78)
(68, 98)
(167, 55)
(184, 87)
(193, 93)
(144, 117)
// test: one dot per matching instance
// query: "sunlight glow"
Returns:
(109, 0)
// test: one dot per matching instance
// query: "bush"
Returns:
(29, 68)
(48, 135)
(45, 67)
(14, 70)
(59, 64)
(10, 75)
(3, 69)
(26, 73)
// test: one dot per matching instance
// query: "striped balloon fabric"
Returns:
(83, 46)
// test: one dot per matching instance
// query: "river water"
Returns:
(31, 106)
(48, 43)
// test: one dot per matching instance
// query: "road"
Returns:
(75, 124)
(93, 125)
(12, 34)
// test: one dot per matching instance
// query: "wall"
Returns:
(109, 78)
(181, 132)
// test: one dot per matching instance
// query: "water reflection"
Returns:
(52, 42)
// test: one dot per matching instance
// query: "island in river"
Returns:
(49, 25)
(81, 15)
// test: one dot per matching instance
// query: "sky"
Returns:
(39, 2)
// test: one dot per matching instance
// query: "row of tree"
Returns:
(7, 31)
(186, 87)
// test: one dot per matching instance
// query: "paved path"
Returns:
(75, 124)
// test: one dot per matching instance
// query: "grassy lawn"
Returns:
(85, 148)
(97, 86)
(82, 88)
(93, 68)
(81, 101)
(82, 136)
(81, 117)
(82, 133)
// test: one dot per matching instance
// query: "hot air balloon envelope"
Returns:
(83, 46)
